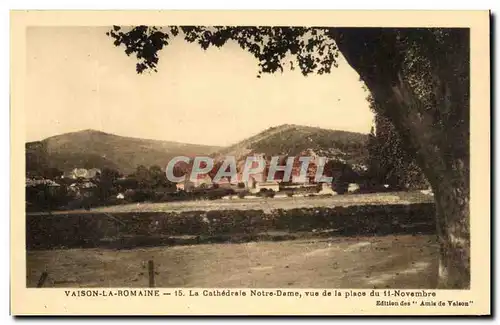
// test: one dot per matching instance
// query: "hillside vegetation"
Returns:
(295, 140)
(90, 148)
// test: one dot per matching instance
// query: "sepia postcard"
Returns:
(250, 163)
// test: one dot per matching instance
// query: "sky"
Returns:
(77, 79)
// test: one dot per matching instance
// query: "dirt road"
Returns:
(365, 262)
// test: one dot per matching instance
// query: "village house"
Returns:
(203, 181)
(186, 186)
(93, 173)
(250, 183)
(271, 185)
(82, 173)
(353, 188)
(180, 186)
(36, 182)
(326, 189)
(227, 183)
(83, 189)
(298, 179)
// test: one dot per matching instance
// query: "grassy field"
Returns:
(265, 204)
(344, 262)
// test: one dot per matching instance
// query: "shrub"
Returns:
(219, 193)
(266, 193)
(43, 197)
(76, 230)
(242, 194)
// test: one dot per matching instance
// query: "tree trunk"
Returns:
(452, 212)
(432, 124)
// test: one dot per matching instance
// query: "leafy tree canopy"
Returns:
(313, 48)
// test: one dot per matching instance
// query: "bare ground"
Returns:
(364, 262)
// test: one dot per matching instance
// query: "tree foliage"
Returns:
(152, 178)
(388, 162)
(313, 48)
(419, 79)
(106, 184)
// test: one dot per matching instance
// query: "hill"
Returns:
(91, 148)
(295, 140)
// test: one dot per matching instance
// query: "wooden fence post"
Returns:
(151, 269)
(42, 279)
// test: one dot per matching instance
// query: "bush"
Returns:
(266, 193)
(340, 187)
(76, 230)
(219, 193)
(136, 196)
(43, 197)
(242, 194)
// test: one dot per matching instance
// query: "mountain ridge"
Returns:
(91, 148)
(96, 132)
(295, 140)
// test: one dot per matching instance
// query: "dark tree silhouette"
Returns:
(106, 184)
(36, 158)
(141, 175)
(158, 179)
(52, 173)
(419, 78)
